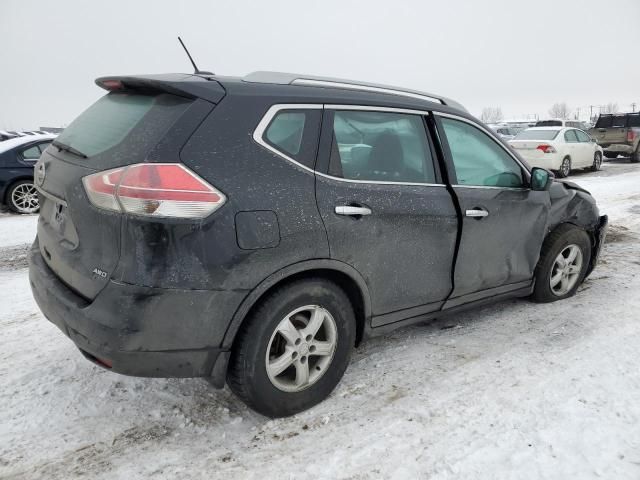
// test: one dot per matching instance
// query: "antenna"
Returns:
(195, 67)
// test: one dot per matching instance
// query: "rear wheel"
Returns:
(294, 348)
(565, 168)
(563, 264)
(597, 162)
(22, 197)
(635, 156)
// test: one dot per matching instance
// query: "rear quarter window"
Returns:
(634, 120)
(294, 133)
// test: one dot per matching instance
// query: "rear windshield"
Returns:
(549, 123)
(604, 122)
(537, 135)
(619, 121)
(113, 117)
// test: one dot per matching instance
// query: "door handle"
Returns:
(351, 210)
(476, 213)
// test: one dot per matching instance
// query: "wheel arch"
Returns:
(345, 276)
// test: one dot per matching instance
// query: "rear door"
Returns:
(79, 242)
(572, 147)
(587, 147)
(385, 208)
(504, 221)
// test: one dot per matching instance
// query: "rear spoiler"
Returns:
(183, 85)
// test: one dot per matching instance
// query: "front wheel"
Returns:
(597, 162)
(565, 168)
(294, 348)
(563, 264)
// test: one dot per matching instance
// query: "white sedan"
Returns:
(560, 149)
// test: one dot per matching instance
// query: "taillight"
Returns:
(546, 148)
(153, 189)
(631, 135)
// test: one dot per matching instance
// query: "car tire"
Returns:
(597, 161)
(565, 168)
(635, 156)
(266, 336)
(557, 278)
(22, 197)
(611, 154)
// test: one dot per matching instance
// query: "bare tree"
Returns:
(559, 110)
(491, 115)
(610, 107)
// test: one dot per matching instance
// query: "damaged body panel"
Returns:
(155, 273)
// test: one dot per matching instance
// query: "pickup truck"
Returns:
(618, 134)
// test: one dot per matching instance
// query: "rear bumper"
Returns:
(140, 331)
(619, 147)
(549, 161)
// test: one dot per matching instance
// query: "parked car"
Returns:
(558, 122)
(17, 158)
(558, 149)
(619, 134)
(505, 132)
(255, 229)
(4, 135)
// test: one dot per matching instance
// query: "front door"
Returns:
(504, 221)
(386, 210)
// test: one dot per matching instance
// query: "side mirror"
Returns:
(541, 179)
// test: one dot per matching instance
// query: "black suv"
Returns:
(255, 229)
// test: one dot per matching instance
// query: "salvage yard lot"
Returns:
(514, 390)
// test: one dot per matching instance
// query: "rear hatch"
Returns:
(610, 129)
(79, 242)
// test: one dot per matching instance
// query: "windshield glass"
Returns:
(537, 135)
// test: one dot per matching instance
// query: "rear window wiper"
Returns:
(68, 148)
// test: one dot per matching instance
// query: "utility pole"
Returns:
(633, 107)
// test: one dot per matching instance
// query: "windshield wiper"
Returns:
(68, 148)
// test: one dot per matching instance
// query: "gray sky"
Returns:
(519, 55)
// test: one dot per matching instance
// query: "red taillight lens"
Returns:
(631, 135)
(546, 148)
(153, 189)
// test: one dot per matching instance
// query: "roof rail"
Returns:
(282, 78)
(365, 88)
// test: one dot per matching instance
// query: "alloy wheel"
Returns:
(301, 348)
(566, 270)
(25, 198)
(566, 167)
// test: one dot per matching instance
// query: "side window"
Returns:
(43, 146)
(380, 146)
(570, 136)
(31, 153)
(295, 134)
(582, 137)
(478, 159)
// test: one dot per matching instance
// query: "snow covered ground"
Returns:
(514, 390)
